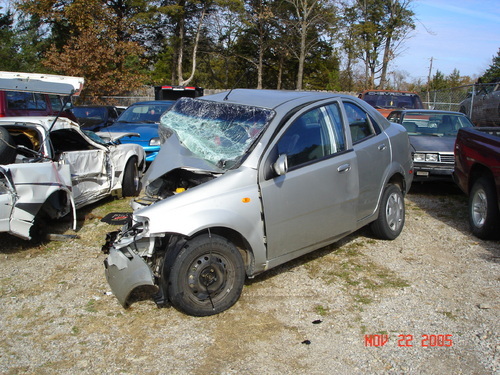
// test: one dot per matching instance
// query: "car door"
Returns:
(372, 148)
(91, 171)
(314, 201)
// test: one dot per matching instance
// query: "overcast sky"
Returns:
(461, 34)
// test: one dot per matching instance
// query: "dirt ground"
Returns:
(427, 302)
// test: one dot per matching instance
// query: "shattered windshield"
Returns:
(220, 133)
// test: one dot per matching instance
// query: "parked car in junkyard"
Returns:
(386, 101)
(49, 167)
(95, 117)
(477, 173)
(483, 105)
(432, 137)
(142, 119)
(249, 179)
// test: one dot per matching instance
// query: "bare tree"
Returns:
(310, 19)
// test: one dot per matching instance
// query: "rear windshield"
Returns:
(392, 100)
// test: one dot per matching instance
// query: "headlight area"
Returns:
(131, 260)
(425, 157)
(154, 142)
(134, 233)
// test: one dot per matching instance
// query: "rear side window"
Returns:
(25, 100)
(312, 136)
(361, 124)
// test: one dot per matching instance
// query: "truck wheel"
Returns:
(131, 185)
(7, 147)
(391, 216)
(206, 277)
(484, 218)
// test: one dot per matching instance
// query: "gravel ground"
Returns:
(353, 307)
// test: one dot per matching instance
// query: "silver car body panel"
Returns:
(282, 217)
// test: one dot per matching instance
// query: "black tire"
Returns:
(391, 216)
(131, 184)
(7, 147)
(484, 217)
(206, 277)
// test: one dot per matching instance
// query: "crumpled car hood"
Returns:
(173, 155)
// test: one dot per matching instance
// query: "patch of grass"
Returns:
(90, 307)
(321, 310)
(449, 315)
(365, 300)
(75, 330)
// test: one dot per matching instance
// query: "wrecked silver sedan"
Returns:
(49, 167)
(248, 180)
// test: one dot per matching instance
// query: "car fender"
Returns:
(230, 201)
(120, 155)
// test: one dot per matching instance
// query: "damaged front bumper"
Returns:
(126, 270)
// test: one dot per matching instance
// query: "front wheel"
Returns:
(484, 218)
(206, 277)
(391, 217)
(131, 185)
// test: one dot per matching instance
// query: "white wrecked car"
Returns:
(49, 166)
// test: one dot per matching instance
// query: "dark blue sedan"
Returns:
(142, 118)
(432, 136)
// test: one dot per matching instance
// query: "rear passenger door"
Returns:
(314, 201)
(373, 154)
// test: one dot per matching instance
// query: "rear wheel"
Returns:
(131, 185)
(484, 217)
(391, 217)
(206, 277)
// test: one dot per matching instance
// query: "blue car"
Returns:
(141, 118)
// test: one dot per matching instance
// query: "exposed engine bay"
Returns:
(174, 182)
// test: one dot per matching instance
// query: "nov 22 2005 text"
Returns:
(425, 341)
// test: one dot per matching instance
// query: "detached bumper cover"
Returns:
(125, 271)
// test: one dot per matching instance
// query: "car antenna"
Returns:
(234, 86)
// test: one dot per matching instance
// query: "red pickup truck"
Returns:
(477, 173)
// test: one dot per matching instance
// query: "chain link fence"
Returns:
(479, 101)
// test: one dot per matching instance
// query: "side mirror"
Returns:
(281, 165)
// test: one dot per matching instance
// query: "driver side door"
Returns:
(314, 201)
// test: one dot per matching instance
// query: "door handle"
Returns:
(344, 168)
(382, 147)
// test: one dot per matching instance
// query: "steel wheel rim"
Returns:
(479, 208)
(394, 212)
(208, 276)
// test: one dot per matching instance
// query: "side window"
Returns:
(55, 102)
(25, 100)
(314, 135)
(359, 122)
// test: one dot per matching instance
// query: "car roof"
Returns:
(152, 102)
(396, 91)
(427, 111)
(41, 83)
(270, 99)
